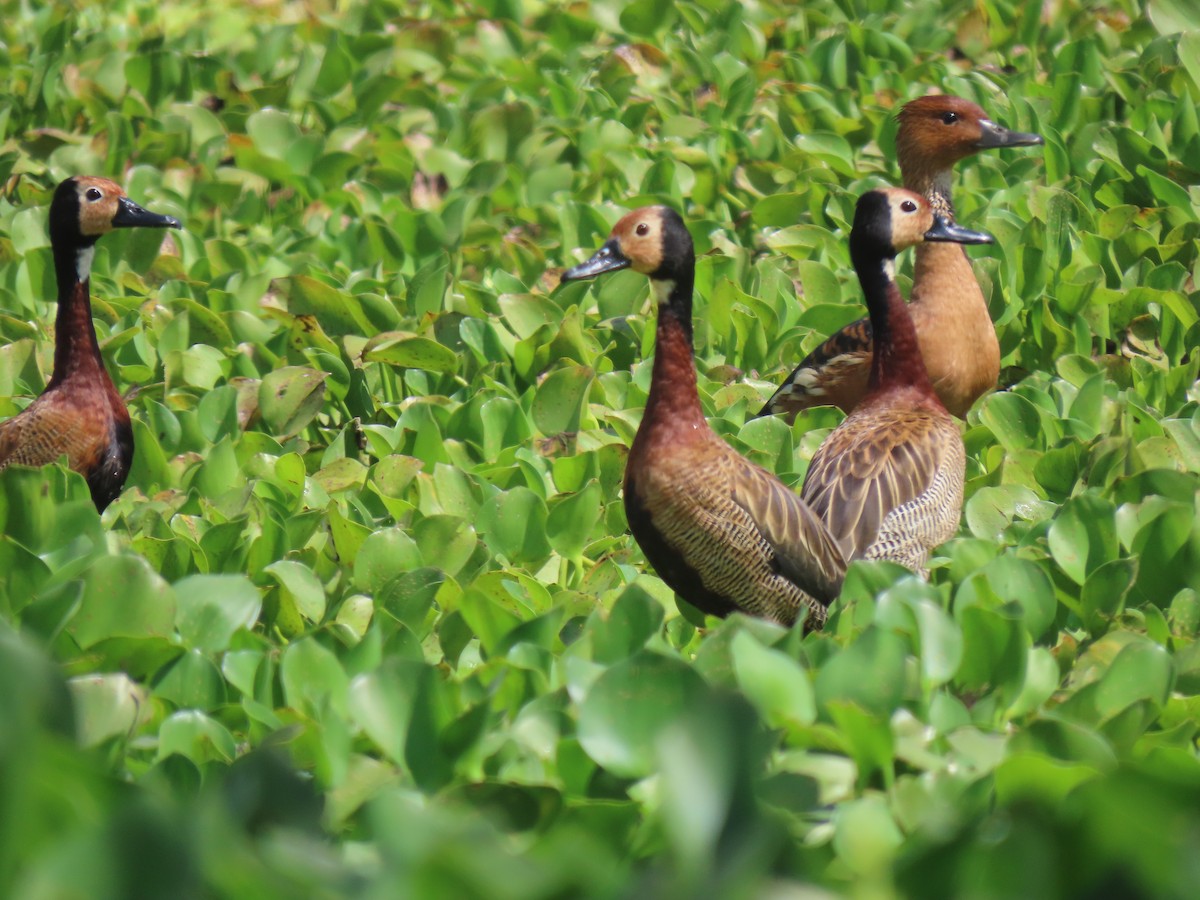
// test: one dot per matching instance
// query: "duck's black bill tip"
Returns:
(945, 231)
(130, 215)
(994, 136)
(608, 258)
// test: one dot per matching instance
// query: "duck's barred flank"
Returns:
(714, 511)
(911, 529)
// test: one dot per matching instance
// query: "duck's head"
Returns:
(652, 240)
(889, 220)
(85, 207)
(939, 130)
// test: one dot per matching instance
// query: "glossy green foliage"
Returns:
(367, 621)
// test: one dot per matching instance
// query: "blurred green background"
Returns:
(367, 622)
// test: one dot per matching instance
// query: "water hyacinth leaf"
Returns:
(1013, 420)
(1010, 579)
(290, 398)
(410, 352)
(1141, 671)
(1104, 591)
(1041, 681)
(306, 296)
(514, 525)
(559, 399)
(191, 681)
(1083, 535)
(631, 705)
(775, 683)
(107, 705)
(313, 679)
(645, 17)
(865, 835)
(146, 606)
(197, 737)
(381, 702)
(570, 523)
(382, 556)
(300, 588)
(941, 642)
(869, 673)
(211, 608)
(994, 650)
(634, 618)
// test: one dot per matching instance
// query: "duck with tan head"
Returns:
(722, 532)
(80, 415)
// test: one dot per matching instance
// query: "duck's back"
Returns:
(888, 482)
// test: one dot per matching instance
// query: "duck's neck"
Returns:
(896, 361)
(673, 393)
(934, 185)
(76, 349)
(942, 273)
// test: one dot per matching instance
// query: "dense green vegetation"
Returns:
(367, 622)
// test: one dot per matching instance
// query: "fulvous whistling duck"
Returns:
(958, 340)
(722, 532)
(80, 415)
(888, 482)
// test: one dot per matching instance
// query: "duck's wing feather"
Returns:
(833, 374)
(889, 486)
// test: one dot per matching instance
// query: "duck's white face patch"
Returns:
(83, 262)
(889, 269)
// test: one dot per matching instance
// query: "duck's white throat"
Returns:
(83, 262)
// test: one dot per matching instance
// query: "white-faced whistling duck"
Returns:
(888, 482)
(80, 415)
(724, 533)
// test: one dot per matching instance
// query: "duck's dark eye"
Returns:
(643, 229)
(949, 118)
(908, 206)
(94, 194)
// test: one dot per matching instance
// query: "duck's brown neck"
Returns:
(896, 361)
(933, 184)
(938, 264)
(76, 349)
(673, 393)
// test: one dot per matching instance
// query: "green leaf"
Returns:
(290, 398)
(514, 525)
(1083, 535)
(122, 597)
(107, 705)
(631, 705)
(570, 523)
(1141, 671)
(406, 351)
(558, 403)
(194, 735)
(211, 608)
(299, 587)
(775, 683)
(869, 672)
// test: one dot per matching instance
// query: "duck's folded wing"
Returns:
(889, 492)
(834, 374)
(804, 550)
